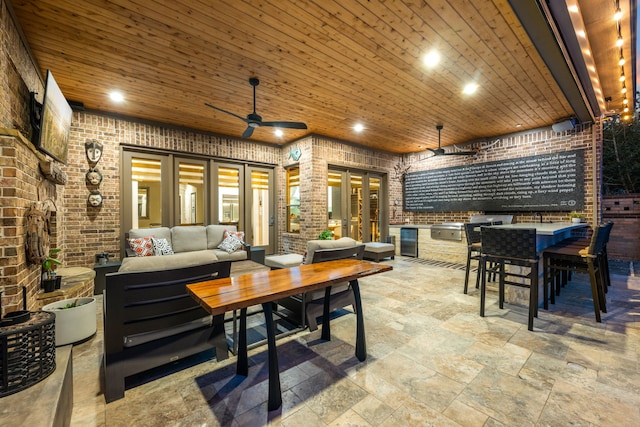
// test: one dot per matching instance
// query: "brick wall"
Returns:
(20, 180)
(22, 184)
(94, 230)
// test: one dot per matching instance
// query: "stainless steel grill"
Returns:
(447, 231)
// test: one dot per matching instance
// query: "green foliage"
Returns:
(325, 235)
(621, 157)
(69, 305)
(48, 265)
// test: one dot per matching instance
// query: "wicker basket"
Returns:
(27, 352)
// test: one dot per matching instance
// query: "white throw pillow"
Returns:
(161, 247)
(230, 244)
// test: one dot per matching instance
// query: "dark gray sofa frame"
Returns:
(155, 307)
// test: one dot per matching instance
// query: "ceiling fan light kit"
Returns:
(254, 120)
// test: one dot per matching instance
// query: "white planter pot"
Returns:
(576, 220)
(76, 323)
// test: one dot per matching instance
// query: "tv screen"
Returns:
(55, 122)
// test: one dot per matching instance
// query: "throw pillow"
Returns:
(238, 234)
(142, 246)
(230, 244)
(161, 247)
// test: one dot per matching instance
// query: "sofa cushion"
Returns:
(233, 256)
(215, 234)
(178, 260)
(313, 245)
(188, 238)
(142, 246)
(158, 232)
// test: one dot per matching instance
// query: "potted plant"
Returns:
(325, 235)
(75, 319)
(576, 217)
(49, 279)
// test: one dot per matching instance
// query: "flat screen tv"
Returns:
(55, 121)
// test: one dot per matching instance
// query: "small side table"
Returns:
(101, 270)
(257, 255)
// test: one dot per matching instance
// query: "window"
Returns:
(293, 199)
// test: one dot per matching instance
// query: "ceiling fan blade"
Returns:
(436, 151)
(248, 132)
(460, 153)
(286, 125)
(228, 112)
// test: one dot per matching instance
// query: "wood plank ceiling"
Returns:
(327, 63)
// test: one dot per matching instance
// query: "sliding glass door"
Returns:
(166, 190)
(355, 205)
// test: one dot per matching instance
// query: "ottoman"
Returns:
(283, 261)
(376, 251)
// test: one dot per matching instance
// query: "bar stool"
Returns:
(474, 249)
(577, 258)
(513, 247)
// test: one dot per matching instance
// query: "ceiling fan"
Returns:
(440, 151)
(253, 120)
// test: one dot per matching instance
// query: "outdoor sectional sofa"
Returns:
(150, 320)
(191, 245)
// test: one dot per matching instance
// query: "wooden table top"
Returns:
(221, 295)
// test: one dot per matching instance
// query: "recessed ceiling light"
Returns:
(358, 127)
(470, 88)
(116, 96)
(278, 132)
(518, 125)
(431, 59)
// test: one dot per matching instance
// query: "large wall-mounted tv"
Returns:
(52, 136)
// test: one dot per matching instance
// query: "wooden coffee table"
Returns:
(232, 293)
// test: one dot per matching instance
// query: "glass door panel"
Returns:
(146, 192)
(229, 195)
(261, 215)
(191, 192)
(355, 207)
(335, 207)
(374, 209)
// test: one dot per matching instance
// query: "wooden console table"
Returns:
(233, 293)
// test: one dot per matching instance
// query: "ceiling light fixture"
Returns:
(431, 59)
(620, 40)
(625, 101)
(358, 127)
(116, 96)
(278, 132)
(624, 88)
(618, 15)
(621, 61)
(470, 88)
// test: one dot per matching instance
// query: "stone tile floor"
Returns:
(431, 361)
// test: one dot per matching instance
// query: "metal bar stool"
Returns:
(512, 247)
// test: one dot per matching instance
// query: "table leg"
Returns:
(242, 366)
(275, 394)
(234, 333)
(361, 342)
(326, 324)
